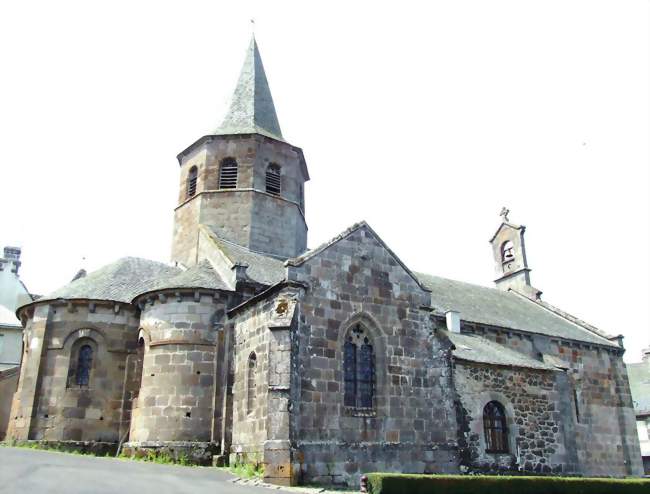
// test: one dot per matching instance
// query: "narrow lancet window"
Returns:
(496, 431)
(228, 174)
(84, 364)
(191, 181)
(358, 370)
(273, 180)
(251, 384)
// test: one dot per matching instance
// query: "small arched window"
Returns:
(496, 431)
(84, 365)
(192, 176)
(273, 180)
(358, 369)
(251, 384)
(228, 174)
(507, 251)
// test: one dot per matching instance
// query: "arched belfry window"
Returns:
(358, 369)
(228, 174)
(507, 251)
(496, 431)
(251, 383)
(192, 177)
(273, 180)
(84, 365)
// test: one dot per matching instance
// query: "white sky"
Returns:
(423, 118)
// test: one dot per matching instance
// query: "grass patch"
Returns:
(159, 457)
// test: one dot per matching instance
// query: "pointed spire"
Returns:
(251, 108)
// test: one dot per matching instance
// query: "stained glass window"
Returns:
(358, 370)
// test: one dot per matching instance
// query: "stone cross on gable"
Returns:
(505, 212)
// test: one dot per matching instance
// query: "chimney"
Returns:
(13, 254)
(453, 321)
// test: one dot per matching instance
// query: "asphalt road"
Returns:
(29, 471)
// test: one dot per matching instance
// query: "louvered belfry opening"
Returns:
(273, 180)
(228, 174)
(191, 181)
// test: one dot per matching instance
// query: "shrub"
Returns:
(388, 483)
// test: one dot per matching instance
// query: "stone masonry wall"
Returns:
(48, 404)
(246, 215)
(412, 427)
(603, 440)
(177, 394)
(535, 424)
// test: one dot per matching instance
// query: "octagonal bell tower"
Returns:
(243, 181)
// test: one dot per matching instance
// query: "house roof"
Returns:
(201, 275)
(119, 281)
(639, 377)
(251, 109)
(479, 304)
(262, 268)
(475, 348)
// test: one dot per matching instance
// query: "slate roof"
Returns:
(251, 109)
(639, 376)
(262, 268)
(479, 304)
(119, 281)
(201, 275)
(475, 348)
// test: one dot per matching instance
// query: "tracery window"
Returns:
(84, 365)
(273, 179)
(192, 177)
(507, 251)
(358, 369)
(251, 384)
(496, 430)
(228, 174)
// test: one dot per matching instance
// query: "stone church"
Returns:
(319, 364)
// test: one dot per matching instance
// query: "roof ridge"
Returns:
(565, 315)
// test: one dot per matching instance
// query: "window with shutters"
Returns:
(251, 383)
(496, 430)
(273, 180)
(192, 176)
(228, 174)
(358, 370)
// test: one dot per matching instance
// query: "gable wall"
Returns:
(414, 428)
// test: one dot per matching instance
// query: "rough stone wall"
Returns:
(177, 395)
(412, 427)
(535, 423)
(246, 215)
(603, 441)
(48, 404)
(8, 386)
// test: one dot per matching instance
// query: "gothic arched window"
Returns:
(358, 369)
(251, 384)
(84, 364)
(273, 180)
(507, 251)
(496, 430)
(228, 174)
(191, 181)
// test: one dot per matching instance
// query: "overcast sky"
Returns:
(423, 118)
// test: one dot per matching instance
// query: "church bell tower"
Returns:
(511, 265)
(243, 181)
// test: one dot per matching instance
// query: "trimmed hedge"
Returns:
(389, 483)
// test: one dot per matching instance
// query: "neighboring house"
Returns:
(323, 364)
(639, 375)
(13, 294)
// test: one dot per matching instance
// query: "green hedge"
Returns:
(388, 483)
